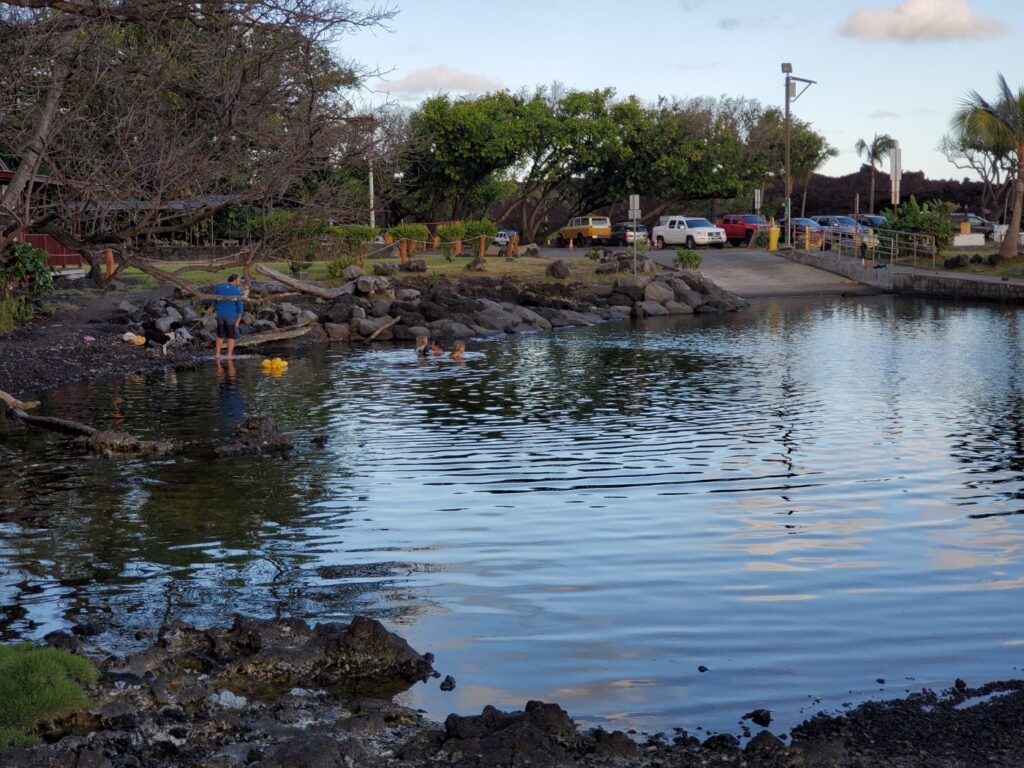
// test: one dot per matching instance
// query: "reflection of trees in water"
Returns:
(137, 541)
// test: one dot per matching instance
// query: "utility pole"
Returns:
(373, 222)
(791, 96)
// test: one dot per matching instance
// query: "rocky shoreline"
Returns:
(283, 694)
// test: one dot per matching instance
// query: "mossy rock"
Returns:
(36, 685)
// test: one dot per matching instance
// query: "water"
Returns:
(804, 498)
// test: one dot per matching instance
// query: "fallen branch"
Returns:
(50, 423)
(302, 286)
(383, 328)
(12, 402)
(191, 290)
(255, 339)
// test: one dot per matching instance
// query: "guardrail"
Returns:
(874, 245)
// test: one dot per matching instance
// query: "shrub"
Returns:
(24, 264)
(687, 259)
(448, 234)
(761, 240)
(592, 254)
(297, 236)
(932, 219)
(416, 234)
(350, 241)
(481, 227)
(38, 684)
(336, 267)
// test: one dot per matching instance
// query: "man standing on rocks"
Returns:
(229, 314)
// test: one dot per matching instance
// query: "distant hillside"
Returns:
(835, 194)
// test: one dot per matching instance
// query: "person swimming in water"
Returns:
(436, 348)
(422, 346)
(458, 351)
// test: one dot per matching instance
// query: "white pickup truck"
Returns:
(688, 231)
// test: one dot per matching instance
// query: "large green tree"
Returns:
(875, 152)
(993, 124)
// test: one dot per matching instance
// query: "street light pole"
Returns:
(791, 96)
(373, 222)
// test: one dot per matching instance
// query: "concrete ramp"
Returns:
(753, 273)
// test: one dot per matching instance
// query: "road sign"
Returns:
(757, 200)
(634, 214)
(634, 202)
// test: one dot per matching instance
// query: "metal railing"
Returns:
(888, 245)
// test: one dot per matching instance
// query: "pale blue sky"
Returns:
(882, 66)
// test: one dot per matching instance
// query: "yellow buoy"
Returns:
(267, 365)
(140, 340)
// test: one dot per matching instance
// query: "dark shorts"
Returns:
(226, 328)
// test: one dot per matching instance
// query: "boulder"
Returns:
(165, 324)
(369, 326)
(267, 314)
(418, 330)
(248, 318)
(531, 250)
(407, 294)
(609, 268)
(650, 309)
(632, 286)
(678, 308)
(385, 268)
(339, 313)
(659, 292)
(414, 265)
(531, 317)
(358, 313)
(352, 272)
(174, 314)
(558, 269)
(498, 319)
(318, 335)
(288, 308)
(338, 331)
(619, 311)
(380, 308)
(261, 326)
(477, 265)
(307, 317)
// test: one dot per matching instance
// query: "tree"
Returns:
(875, 153)
(991, 162)
(810, 152)
(129, 121)
(999, 124)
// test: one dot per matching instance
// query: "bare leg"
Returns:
(231, 348)
(216, 348)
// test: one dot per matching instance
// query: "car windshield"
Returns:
(876, 220)
(698, 223)
(599, 222)
(751, 219)
(845, 221)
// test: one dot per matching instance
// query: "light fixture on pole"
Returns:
(791, 96)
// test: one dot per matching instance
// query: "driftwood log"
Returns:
(312, 289)
(188, 288)
(280, 334)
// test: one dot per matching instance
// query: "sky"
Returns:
(882, 66)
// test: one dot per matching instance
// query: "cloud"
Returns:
(882, 113)
(915, 20)
(441, 78)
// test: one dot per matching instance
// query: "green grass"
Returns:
(15, 311)
(37, 684)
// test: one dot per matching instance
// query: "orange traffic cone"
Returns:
(572, 246)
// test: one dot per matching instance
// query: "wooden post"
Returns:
(109, 254)
(437, 242)
(513, 245)
(458, 247)
(404, 250)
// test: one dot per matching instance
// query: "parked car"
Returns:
(870, 220)
(689, 231)
(841, 226)
(585, 230)
(625, 233)
(979, 226)
(806, 232)
(502, 236)
(740, 228)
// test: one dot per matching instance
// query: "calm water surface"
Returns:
(804, 498)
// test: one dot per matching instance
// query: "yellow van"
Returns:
(585, 230)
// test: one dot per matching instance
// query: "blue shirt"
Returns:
(229, 310)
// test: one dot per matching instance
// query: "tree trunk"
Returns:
(803, 196)
(1008, 250)
(301, 286)
(21, 184)
(871, 200)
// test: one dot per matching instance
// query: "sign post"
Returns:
(895, 174)
(758, 194)
(634, 217)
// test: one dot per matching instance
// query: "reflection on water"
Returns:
(803, 498)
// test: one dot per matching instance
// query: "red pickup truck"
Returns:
(740, 228)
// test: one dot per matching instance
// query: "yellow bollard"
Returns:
(773, 237)
(965, 227)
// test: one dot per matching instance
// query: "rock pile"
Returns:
(375, 307)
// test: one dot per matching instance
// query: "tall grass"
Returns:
(13, 312)
(37, 684)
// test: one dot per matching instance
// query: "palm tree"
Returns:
(826, 153)
(875, 152)
(999, 123)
